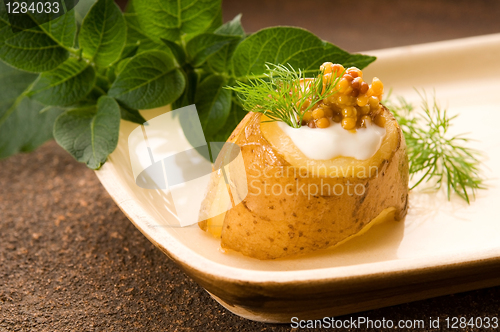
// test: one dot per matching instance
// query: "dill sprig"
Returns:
(285, 94)
(433, 156)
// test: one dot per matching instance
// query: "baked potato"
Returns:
(288, 209)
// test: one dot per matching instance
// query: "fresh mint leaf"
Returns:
(345, 58)
(135, 36)
(131, 115)
(216, 22)
(192, 78)
(37, 49)
(102, 82)
(14, 83)
(130, 50)
(150, 79)
(176, 50)
(103, 33)
(22, 128)
(159, 52)
(120, 65)
(232, 28)
(89, 101)
(218, 62)
(279, 45)
(213, 103)
(90, 136)
(236, 114)
(62, 29)
(285, 45)
(111, 74)
(176, 20)
(82, 8)
(201, 47)
(25, 128)
(65, 85)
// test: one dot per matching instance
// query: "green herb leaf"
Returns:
(14, 83)
(213, 103)
(130, 50)
(82, 8)
(102, 83)
(236, 114)
(22, 127)
(192, 78)
(345, 58)
(90, 136)
(175, 19)
(150, 79)
(216, 22)
(285, 45)
(132, 115)
(203, 46)
(135, 36)
(25, 128)
(65, 85)
(219, 61)
(176, 50)
(172, 52)
(232, 28)
(62, 29)
(103, 33)
(110, 74)
(120, 65)
(37, 49)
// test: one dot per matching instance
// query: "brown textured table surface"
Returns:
(71, 261)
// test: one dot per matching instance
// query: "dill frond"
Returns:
(433, 156)
(285, 94)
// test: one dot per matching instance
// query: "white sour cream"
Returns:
(335, 141)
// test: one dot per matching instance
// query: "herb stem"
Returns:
(285, 94)
(443, 161)
(16, 102)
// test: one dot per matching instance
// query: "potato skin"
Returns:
(271, 224)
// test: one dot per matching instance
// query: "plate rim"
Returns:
(173, 248)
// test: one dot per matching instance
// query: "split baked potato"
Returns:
(297, 205)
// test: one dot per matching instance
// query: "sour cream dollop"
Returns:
(335, 141)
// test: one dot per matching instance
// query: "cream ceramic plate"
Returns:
(442, 247)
